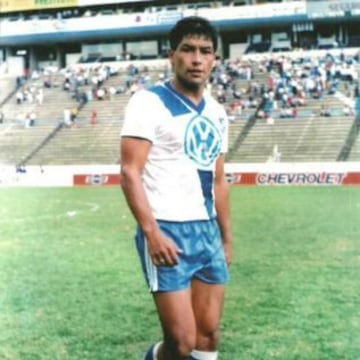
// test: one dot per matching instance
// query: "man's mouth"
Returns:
(195, 72)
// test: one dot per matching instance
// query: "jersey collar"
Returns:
(198, 108)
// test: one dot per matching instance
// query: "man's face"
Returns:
(193, 60)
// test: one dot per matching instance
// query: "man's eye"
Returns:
(206, 51)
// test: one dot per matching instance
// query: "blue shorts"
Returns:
(202, 256)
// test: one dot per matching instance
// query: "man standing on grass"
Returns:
(172, 172)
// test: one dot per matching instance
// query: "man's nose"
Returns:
(197, 57)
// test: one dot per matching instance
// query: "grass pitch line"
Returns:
(93, 207)
(89, 207)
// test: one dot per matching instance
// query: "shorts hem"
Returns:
(169, 290)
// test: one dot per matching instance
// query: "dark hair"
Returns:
(192, 25)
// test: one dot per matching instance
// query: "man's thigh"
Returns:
(191, 314)
(176, 314)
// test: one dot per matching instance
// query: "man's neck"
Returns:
(193, 94)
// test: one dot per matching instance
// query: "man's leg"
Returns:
(178, 324)
(207, 303)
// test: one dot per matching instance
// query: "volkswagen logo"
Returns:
(202, 141)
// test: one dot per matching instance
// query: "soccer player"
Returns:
(173, 142)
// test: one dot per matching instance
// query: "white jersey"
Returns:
(186, 141)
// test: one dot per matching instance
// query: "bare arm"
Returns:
(134, 153)
(222, 205)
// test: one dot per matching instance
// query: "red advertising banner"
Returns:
(295, 179)
(248, 178)
(96, 179)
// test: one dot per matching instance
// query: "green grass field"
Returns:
(71, 287)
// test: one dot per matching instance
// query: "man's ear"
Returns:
(171, 53)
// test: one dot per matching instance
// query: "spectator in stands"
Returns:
(93, 120)
(32, 118)
(332, 86)
(289, 113)
(19, 81)
(324, 111)
(27, 120)
(356, 91)
(74, 114)
(83, 98)
(111, 92)
(268, 104)
(20, 169)
(67, 117)
(348, 111)
(35, 75)
(19, 96)
(40, 96)
(121, 89)
(89, 95)
(220, 96)
(47, 82)
(100, 94)
(29, 95)
(357, 101)
(66, 85)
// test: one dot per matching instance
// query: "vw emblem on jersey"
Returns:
(202, 141)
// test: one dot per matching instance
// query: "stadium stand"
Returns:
(308, 137)
(298, 140)
(81, 145)
(17, 143)
(264, 126)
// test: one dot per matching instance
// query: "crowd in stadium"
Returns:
(290, 82)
